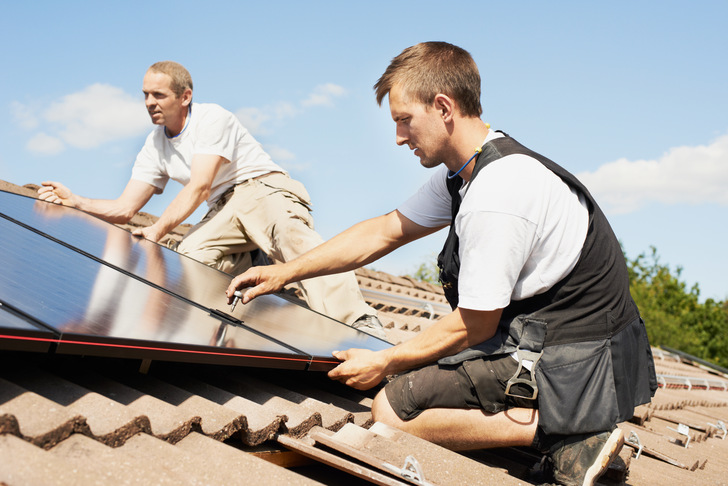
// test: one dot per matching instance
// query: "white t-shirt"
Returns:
(521, 229)
(210, 130)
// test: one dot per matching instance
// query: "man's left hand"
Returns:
(361, 368)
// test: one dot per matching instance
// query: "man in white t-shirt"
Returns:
(253, 203)
(544, 346)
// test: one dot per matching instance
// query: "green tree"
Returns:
(673, 313)
(427, 272)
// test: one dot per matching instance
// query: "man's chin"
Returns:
(429, 164)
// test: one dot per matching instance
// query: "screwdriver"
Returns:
(237, 295)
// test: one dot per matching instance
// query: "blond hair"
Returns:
(429, 68)
(181, 79)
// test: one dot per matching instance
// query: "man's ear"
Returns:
(445, 105)
(187, 97)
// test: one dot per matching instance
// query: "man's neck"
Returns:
(473, 134)
(174, 129)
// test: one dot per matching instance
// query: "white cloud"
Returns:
(255, 119)
(279, 153)
(286, 159)
(324, 94)
(295, 167)
(96, 115)
(690, 175)
(45, 144)
(284, 110)
(24, 115)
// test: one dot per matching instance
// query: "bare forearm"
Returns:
(203, 169)
(181, 207)
(445, 338)
(119, 210)
(453, 333)
(110, 210)
(359, 245)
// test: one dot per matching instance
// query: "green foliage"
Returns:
(673, 313)
(427, 272)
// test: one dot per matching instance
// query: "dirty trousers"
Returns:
(271, 213)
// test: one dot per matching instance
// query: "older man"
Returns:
(253, 202)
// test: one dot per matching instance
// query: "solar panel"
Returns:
(102, 288)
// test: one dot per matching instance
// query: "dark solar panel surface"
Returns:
(10, 320)
(19, 333)
(96, 283)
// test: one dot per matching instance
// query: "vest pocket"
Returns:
(576, 388)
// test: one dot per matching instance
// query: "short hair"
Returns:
(429, 68)
(181, 79)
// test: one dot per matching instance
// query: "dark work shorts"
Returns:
(478, 383)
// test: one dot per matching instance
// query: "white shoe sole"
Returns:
(609, 451)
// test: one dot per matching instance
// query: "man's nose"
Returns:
(400, 137)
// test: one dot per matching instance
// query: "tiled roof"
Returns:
(81, 420)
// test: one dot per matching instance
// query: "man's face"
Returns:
(419, 126)
(164, 107)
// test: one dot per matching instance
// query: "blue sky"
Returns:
(630, 96)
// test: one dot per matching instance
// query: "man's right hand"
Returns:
(260, 280)
(360, 368)
(57, 193)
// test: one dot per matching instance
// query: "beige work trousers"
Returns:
(271, 213)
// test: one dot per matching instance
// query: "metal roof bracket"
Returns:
(683, 430)
(411, 471)
(721, 427)
(634, 440)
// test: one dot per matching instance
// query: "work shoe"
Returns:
(371, 326)
(582, 459)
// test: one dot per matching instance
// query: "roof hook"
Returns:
(721, 427)
(411, 471)
(635, 440)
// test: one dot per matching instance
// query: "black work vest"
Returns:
(592, 301)
(596, 364)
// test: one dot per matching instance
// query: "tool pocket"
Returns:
(576, 388)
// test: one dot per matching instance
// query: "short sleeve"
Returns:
(431, 205)
(147, 167)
